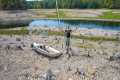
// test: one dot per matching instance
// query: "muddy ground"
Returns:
(90, 60)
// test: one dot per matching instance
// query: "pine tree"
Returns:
(108, 3)
(116, 4)
(13, 4)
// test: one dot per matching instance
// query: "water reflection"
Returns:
(76, 23)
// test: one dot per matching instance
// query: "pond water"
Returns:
(76, 23)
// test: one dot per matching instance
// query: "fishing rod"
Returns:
(57, 11)
(67, 33)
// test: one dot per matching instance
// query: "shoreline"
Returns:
(83, 31)
(26, 21)
(24, 17)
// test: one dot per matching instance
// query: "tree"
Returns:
(108, 3)
(13, 4)
(81, 4)
(116, 4)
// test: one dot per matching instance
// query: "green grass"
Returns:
(61, 15)
(92, 38)
(51, 33)
(13, 32)
(12, 25)
(85, 46)
(110, 15)
(105, 15)
(97, 38)
(24, 31)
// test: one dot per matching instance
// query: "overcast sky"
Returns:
(33, 0)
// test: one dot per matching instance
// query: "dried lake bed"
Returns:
(96, 55)
(91, 60)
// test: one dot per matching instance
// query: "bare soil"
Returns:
(19, 62)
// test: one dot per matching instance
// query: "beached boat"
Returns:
(46, 50)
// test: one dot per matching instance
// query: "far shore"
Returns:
(28, 20)
(26, 16)
(25, 22)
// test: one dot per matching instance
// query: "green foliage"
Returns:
(61, 15)
(82, 3)
(55, 33)
(108, 3)
(110, 15)
(34, 4)
(97, 38)
(116, 4)
(13, 4)
(12, 25)
(13, 32)
(21, 4)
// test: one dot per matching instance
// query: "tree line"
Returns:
(82, 4)
(68, 4)
(13, 4)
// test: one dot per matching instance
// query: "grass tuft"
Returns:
(92, 38)
(13, 32)
(110, 15)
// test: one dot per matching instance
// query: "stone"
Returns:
(115, 56)
(18, 39)
(49, 75)
(19, 47)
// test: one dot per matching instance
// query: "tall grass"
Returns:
(24, 31)
(13, 32)
(110, 15)
(93, 38)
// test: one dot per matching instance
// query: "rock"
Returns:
(7, 47)
(1, 68)
(80, 72)
(49, 75)
(5, 39)
(19, 47)
(18, 39)
(115, 57)
(0, 46)
(23, 44)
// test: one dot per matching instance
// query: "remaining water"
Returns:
(76, 23)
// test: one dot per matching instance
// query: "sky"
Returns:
(33, 0)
